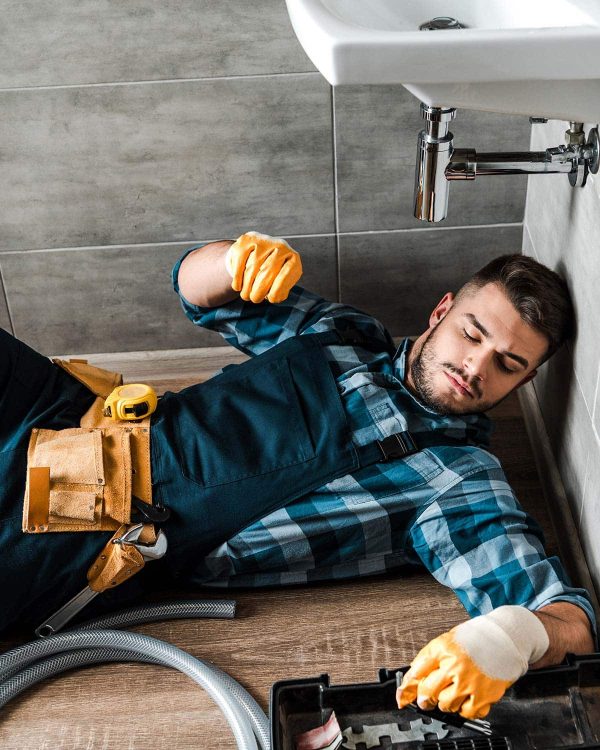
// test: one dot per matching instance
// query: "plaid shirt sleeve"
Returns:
(254, 328)
(477, 539)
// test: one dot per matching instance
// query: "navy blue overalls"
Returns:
(38, 572)
(224, 454)
(252, 439)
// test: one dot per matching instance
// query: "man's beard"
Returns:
(422, 369)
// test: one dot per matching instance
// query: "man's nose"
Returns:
(475, 366)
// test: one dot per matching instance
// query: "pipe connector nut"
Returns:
(437, 114)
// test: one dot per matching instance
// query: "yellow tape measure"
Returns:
(130, 402)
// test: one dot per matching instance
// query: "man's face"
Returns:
(482, 343)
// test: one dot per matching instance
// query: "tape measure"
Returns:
(130, 402)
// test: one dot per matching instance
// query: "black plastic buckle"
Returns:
(144, 512)
(398, 445)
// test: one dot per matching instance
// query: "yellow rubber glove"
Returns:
(262, 266)
(469, 668)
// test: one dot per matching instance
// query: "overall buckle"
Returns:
(398, 445)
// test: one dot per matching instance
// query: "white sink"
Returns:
(528, 57)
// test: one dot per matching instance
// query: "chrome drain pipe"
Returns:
(439, 163)
(434, 150)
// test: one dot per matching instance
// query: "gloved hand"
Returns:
(262, 266)
(469, 668)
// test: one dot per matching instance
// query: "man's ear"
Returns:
(526, 379)
(441, 309)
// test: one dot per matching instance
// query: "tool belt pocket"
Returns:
(78, 479)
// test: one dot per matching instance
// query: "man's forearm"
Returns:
(568, 629)
(203, 277)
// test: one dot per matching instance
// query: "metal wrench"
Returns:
(62, 616)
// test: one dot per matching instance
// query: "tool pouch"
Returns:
(83, 478)
(100, 382)
(116, 563)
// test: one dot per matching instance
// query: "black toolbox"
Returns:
(557, 707)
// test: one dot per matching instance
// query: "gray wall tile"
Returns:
(5, 321)
(567, 421)
(120, 299)
(376, 144)
(400, 277)
(590, 518)
(553, 383)
(164, 162)
(527, 247)
(74, 42)
(564, 224)
(596, 410)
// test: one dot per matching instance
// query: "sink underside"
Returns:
(532, 58)
(577, 101)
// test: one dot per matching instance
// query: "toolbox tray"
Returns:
(557, 707)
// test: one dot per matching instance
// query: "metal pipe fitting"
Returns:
(466, 164)
(439, 163)
(434, 150)
(575, 136)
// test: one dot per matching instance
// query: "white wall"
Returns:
(562, 230)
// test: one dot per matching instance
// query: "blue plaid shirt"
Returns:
(449, 508)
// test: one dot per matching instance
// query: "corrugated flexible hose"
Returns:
(92, 643)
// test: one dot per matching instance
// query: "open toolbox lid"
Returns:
(557, 707)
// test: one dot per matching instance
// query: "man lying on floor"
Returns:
(329, 454)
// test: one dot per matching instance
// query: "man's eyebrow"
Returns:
(485, 333)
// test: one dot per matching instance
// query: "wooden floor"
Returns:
(349, 629)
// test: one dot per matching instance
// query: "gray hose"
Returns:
(182, 610)
(28, 664)
(63, 662)
(137, 644)
(192, 608)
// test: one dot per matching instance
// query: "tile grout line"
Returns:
(596, 395)
(289, 236)
(526, 231)
(158, 80)
(201, 79)
(585, 481)
(587, 408)
(336, 217)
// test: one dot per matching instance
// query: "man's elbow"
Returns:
(203, 279)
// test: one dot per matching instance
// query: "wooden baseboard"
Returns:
(570, 550)
(168, 369)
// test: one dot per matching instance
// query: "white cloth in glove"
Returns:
(470, 667)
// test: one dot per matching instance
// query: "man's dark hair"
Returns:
(540, 296)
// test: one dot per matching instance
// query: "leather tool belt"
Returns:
(84, 478)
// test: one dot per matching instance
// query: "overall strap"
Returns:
(401, 444)
(350, 337)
